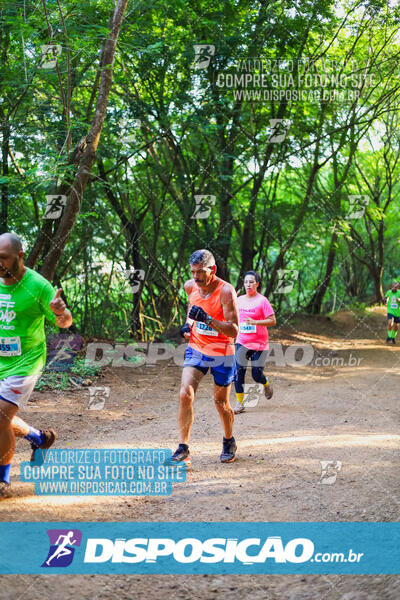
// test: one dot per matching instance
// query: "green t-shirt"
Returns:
(393, 306)
(23, 308)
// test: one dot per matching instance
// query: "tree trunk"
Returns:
(379, 297)
(315, 304)
(132, 257)
(279, 262)
(4, 186)
(132, 254)
(377, 277)
(72, 209)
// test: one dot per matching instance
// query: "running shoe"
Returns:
(181, 455)
(238, 408)
(388, 340)
(268, 391)
(393, 341)
(5, 490)
(229, 448)
(49, 439)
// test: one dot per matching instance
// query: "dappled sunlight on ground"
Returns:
(340, 411)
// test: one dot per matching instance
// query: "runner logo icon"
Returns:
(61, 551)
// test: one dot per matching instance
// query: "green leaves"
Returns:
(172, 134)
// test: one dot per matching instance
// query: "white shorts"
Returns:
(18, 388)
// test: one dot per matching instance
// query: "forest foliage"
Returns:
(267, 132)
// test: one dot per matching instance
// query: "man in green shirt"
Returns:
(393, 312)
(26, 299)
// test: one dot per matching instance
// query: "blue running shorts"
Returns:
(223, 368)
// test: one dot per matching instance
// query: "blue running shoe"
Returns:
(49, 436)
(229, 448)
(182, 454)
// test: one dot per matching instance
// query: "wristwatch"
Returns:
(208, 319)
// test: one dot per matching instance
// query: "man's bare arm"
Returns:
(58, 307)
(188, 289)
(65, 320)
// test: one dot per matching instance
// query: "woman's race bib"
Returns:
(247, 328)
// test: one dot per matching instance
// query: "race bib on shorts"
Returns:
(10, 346)
(204, 329)
(247, 328)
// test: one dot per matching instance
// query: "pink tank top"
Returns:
(254, 337)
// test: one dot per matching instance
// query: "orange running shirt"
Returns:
(203, 338)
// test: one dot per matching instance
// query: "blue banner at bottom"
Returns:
(212, 548)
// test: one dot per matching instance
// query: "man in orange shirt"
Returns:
(214, 325)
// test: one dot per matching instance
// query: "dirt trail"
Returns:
(331, 412)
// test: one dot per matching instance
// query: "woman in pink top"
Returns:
(255, 314)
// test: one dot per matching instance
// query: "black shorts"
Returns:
(395, 319)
